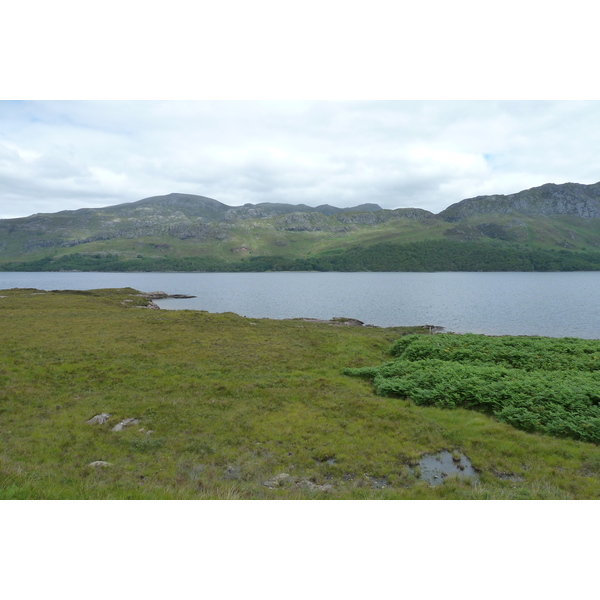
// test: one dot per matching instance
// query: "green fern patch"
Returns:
(545, 385)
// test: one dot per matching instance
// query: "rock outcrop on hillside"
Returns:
(381, 216)
(571, 199)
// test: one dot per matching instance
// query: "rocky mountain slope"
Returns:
(549, 200)
(565, 216)
(177, 217)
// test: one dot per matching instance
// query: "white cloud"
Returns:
(67, 155)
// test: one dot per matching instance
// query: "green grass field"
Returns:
(232, 404)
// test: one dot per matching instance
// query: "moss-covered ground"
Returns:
(225, 404)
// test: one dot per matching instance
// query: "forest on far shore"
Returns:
(433, 255)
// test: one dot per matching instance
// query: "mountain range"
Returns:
(550, 227)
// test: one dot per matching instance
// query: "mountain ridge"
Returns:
(549, 199)
(177, 226)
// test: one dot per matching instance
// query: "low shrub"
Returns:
(542, 385)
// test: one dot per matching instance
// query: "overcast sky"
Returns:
(72, 154)
(347, 149)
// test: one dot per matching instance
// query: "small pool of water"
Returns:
(436, 467)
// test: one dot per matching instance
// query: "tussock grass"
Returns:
(232, 403)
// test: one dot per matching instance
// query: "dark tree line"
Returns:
(439, 255)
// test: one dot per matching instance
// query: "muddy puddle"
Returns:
(435, 468)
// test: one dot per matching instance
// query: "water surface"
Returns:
(548, 304)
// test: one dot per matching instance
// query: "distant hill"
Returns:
(188, 232)
(208, 209)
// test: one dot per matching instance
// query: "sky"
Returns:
(328, 102)
(65, 155)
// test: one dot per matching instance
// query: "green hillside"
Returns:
(548, 228)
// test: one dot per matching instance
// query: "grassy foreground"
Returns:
(232, 404)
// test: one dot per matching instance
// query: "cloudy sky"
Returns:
(58, 155)
(97, 126)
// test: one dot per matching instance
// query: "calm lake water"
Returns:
(548, 304)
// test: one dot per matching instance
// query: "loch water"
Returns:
(547, 304)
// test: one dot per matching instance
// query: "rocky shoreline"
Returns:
(151, 296)
(335, 321)
(338, 321)
(162, 295)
